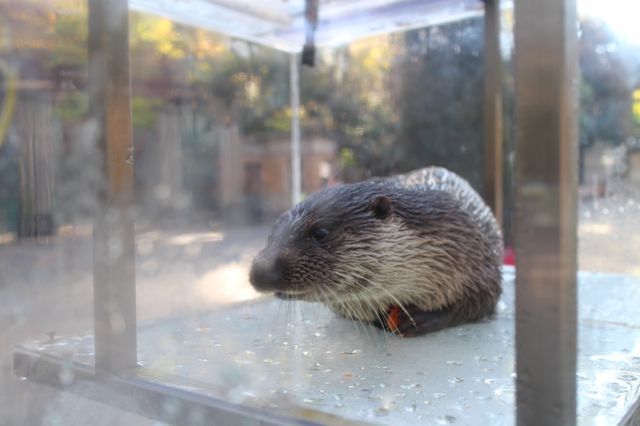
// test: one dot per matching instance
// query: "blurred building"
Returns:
(254, 175)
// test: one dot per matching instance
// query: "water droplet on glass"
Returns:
(629, 377)
(150, 266)
(617, 387)
(410, 386)
(446, 420)
(66, 376)
(193, 250)
(196, 417)
(381, 412)
(171, 406)
(162, 192)
(144, 247)
(181, 202)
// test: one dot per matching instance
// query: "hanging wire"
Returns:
(311, 23)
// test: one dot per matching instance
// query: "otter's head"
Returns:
(324, 247)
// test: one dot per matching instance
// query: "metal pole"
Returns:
(294, 73)
(493, 146)
(113, 232)
(546, 192)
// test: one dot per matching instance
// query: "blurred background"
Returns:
(212, 129)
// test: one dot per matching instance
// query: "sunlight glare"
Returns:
(621, 16)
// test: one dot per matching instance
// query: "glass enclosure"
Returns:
(211, 159)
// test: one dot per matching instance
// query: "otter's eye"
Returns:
(319, 234)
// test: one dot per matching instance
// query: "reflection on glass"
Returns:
(609, 205)
(47, 194)
(610, 131)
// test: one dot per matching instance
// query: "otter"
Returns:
(410, 254)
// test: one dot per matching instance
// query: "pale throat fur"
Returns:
(398, 270)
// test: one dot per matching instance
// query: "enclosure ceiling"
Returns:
(280, 24)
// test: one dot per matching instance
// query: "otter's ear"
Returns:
(380, 206)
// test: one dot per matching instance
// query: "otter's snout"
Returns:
(267, 274)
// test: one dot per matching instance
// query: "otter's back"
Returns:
(440, 179)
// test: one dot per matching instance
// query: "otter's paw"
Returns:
(413, 321)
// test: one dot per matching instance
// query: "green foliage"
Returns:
(442, 99)
(636, 106)
(609, 75)
(145, 111)
(392, 103)
(347, 158)
(70, 35)
(338, 102)
(72, 106)
(278, 121)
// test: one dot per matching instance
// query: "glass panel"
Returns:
(48, 193)
(212, 125)
(212, 166)
(609, 237)
(212, 128)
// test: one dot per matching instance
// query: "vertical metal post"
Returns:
(294, 83)
(546, 193)
(493, 146)
(113, 233)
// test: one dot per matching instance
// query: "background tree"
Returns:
(442, 99)
(609, 74)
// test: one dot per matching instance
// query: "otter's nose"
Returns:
(266, 275)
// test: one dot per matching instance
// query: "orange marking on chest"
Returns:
(393, 318)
